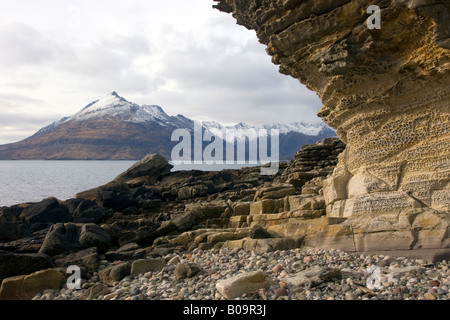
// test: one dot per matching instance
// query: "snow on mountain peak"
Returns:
(311, 129)
(243, 131)
(113, 106)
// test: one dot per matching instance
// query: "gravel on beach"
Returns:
(354, 277)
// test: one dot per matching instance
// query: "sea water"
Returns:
(34, 180)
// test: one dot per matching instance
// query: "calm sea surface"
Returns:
(33, 181)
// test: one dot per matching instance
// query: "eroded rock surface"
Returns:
(387, 92)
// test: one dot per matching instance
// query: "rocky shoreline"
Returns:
(156, 234)
(378, 199)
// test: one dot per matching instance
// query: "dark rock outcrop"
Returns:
(45, 213)
(115, 196)
(13, 264)
(149, 169)
(62, 237)
(71, 237)
(86, 211)
(92, 235)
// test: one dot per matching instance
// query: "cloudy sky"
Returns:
(56, 56)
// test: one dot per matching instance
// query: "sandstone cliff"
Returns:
(387, 92)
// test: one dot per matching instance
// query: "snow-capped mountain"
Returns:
(243, 130)
(114, 128)
(115, 108)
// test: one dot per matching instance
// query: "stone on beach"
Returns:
(146, 265)
(26, 287)
(243, 283)
(312, 277)
(186, 270)
(115, 273)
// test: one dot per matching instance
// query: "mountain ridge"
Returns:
(114, 128)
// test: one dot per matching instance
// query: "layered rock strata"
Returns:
(387, 92)
(129, 223)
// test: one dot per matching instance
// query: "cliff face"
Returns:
(386, 91)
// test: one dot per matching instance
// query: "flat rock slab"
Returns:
(115, 273)
(146, 265)
(312, 277)
(26, 287)
(236, 286)
(151, 166)
(186, 270)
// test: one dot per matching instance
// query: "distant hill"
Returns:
(115, 129)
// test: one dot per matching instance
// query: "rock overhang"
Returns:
(386, 91)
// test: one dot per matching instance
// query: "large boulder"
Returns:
(11, 226)
(115, 196)
(94, 292)
(11, 213)
(152, 167)
(45, 213)
(312, 277)
(92, 235)
(61, 238)
(115, 273)
(274, 192)
(184, 221)
(13, 230)
(258, 232)
(71, 237)
(87, 211)
(12, 264)
(236, 286)
(118, 228)
(212, 209)
(146, 265)
(26, 287)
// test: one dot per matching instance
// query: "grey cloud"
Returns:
(255, 107)
(242, 85)
(133, 44)
(25, 121)
(208, 67)
(15, 100)
(15, 126)
(23, 45)
(208, 73)
(107, 65)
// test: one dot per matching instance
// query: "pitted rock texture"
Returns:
(386, 91)
(313, 160)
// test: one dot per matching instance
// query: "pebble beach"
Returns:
(399, 278)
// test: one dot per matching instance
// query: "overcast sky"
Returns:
(56, 56)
